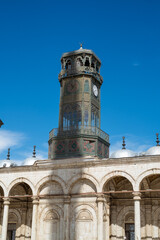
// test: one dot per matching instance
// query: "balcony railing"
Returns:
(87, 130)
(80, 70)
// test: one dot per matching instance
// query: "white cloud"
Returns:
(9, 139)
(15, 139)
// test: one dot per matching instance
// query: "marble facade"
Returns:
(81, 199)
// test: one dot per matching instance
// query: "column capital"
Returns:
(35, 200)
(67, 199)
(100, 198)
(6, 201)
(136, 195)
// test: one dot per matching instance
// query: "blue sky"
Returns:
(124, 34)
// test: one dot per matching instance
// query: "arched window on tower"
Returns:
(92, 65)
(95, 118)
(72, 117)
(97, 67)
(87, 62)
(76, 116)
(86, 86)
(68, 64)
(67, 117)
(79, 62)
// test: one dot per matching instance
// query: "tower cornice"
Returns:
(66, 74)
(79, 52)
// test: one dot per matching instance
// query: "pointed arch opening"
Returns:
(118, 193)
(20, 196)
(150, 200)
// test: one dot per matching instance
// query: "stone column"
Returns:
(34, 218)
(23, 224)
(107, 225)
(5, 218)
(137, 217)
(148, 222)
(113, 224)
(66, 217)
(100, 200)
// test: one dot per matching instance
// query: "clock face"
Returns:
(72, 86)
(95, 90)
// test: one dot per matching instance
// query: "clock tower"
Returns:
(79, 132)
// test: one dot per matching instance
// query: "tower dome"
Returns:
(80, 62)
(123, 153)
(154, 150)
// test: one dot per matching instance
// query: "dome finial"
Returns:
(34, 152)
(1, 123)
(81, 44)
(157, 141)
(123, 144)
(8, 155)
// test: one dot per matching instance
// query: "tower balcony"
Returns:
(80, 130)
(80, 71)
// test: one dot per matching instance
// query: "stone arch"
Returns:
(93, 62)
(51, 225)
(68, 64)
(156, 214)
(155, 181)
(56, 221)
(84, 214)
(129, 217)
(4, 188)
(48, 178)
(146, 185)
(76, 107)
(78, 177)
(83, 186)
(83, 217)
(117, 173)
(87, 61)
(48, 208)
(67, 108)
(123, 213)
(14, 213)
(21, 180)
(80, 60)
(147, 173)
(78, 208)
(121, 218)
